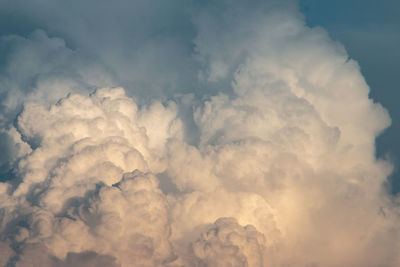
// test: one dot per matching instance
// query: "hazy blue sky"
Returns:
(370, 31)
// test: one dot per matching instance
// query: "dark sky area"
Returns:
(370, 31)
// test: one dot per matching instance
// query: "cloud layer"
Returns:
(243, 138)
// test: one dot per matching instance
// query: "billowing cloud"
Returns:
(72, 181)
(244, 138)
(229, 244)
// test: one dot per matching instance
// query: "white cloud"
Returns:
(276, 167)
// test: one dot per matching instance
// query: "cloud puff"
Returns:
(41, 69)
(229, 244)
(74, 178)
(245, 141)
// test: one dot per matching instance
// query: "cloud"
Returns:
(72, 182)
(244, 138)
(45, 69)
(229, 244)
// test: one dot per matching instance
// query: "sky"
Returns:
(199, 133)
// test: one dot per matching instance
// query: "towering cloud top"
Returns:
(241, 138)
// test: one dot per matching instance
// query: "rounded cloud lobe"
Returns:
(268, 160)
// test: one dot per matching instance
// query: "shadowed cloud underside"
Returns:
(242, 138)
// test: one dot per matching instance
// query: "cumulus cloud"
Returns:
(229, 244)
(79, 170)
(244, 138)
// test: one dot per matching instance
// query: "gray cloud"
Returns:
(242, 138)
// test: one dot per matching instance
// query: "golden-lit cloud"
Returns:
(268, 160)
